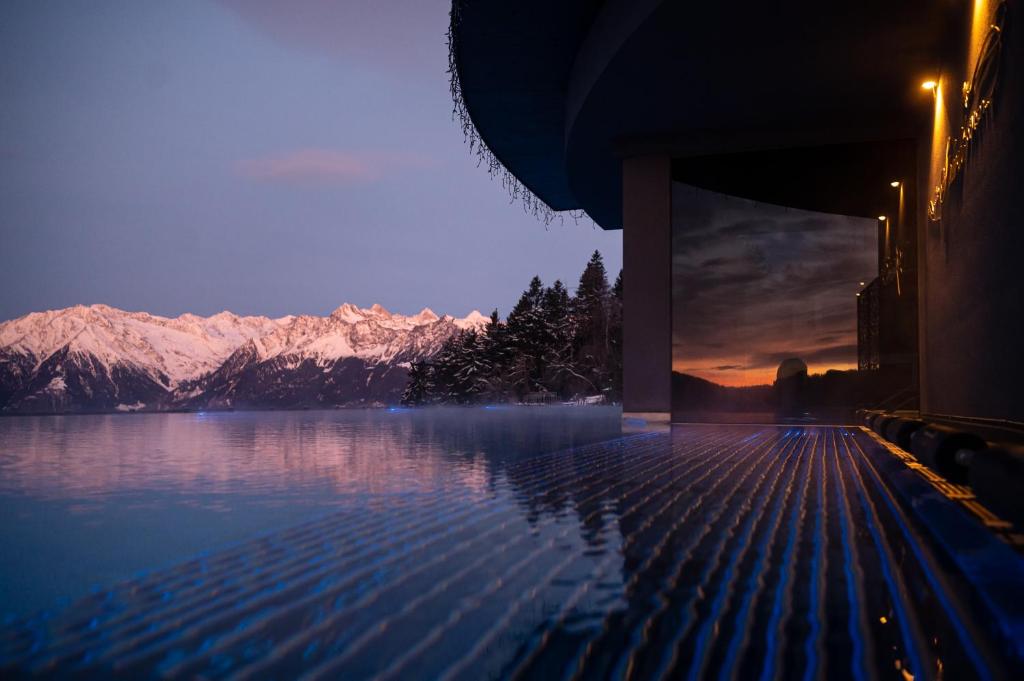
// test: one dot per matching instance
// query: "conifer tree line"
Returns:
(552, 347)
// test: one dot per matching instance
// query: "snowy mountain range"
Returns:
(100, 358)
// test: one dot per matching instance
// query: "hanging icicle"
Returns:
(517, 191)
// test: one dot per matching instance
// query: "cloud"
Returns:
(754, 284)
(761, 226)
(326, 166)
(393, 33)
(836, 354)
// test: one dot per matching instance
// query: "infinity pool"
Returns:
(473, 544)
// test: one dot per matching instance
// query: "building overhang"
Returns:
(511, 63)
(561, 92)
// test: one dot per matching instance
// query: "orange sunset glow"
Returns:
(744, 378)
(755, 284)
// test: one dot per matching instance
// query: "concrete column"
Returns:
(647, 287)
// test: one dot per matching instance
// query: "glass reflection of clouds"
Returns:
(757, 288)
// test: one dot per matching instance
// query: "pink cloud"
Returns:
(396, 33)
(326, 166)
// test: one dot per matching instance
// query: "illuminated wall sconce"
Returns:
(894, 184)
(882, 218)
(862, 283)
(929, 85)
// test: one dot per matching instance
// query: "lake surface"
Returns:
(89, 500)
(489, 543)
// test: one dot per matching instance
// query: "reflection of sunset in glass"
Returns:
(755, 284)
(739, 378)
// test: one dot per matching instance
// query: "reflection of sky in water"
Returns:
(88, 500)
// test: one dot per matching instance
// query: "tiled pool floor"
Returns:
(738, 552)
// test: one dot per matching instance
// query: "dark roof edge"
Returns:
(518, 190)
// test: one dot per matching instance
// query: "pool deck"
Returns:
(733, 552)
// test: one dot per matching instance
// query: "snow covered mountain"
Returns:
(100, 358)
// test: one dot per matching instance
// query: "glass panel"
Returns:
(765, 311)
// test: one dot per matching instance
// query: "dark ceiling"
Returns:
(803, 103)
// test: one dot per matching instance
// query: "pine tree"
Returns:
(472, 368)
(594, 280)
(496, 354)
(446, 368)
(557, 354)
(420, 389)
(551, 341)
(592, 338)
(615, 340)
(525, 328)
(555, 311)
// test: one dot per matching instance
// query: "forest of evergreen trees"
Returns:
(553, 347)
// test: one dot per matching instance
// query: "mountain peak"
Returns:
(135, 358)
(347, 312)
(474, 320)
(425, 315)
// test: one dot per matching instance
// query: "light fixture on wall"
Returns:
(894, 184)
(929, 85)
(882, 218)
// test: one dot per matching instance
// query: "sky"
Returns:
(754, 284)
(258, 156)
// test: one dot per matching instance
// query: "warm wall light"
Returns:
(929, 85)
(882, 218)
(862, 283)
(894, 183)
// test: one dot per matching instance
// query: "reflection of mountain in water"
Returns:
(284, 453)
(149, 489)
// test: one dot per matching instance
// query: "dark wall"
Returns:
(646, 272)
(973, 261)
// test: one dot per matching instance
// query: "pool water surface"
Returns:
(472, 544)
